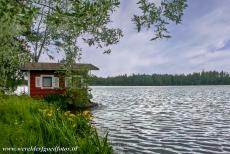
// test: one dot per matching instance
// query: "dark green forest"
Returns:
(200, 78)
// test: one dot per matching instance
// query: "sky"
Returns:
(201, 42)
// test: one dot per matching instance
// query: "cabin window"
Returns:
(75, 81)
(68, 81)
(47, 82)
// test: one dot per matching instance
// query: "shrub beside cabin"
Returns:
(47, 78)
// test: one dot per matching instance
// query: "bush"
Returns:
(72, 99)
(77, 97)
(59, 100)
(25, 122)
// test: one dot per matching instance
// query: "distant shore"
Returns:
(200, 78)
(153, 85)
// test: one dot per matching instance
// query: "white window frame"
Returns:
(52, 76)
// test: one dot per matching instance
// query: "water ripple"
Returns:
(189, 119)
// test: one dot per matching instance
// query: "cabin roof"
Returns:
(55, 66)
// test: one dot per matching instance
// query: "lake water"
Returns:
(187, 119)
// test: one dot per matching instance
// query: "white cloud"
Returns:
(196, 44)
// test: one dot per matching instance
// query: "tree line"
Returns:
(197, 78)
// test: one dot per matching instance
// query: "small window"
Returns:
(76, 81)
(68, 81)
(47, 82)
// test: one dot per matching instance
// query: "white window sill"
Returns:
(47, 87)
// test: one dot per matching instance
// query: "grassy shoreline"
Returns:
(25, 122)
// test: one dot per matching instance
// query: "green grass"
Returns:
(25, 122)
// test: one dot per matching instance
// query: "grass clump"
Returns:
(25, 122)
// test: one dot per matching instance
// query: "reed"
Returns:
(25, 122)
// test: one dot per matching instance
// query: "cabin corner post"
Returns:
(28, 83)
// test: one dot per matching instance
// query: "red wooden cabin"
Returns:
(44, 79)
